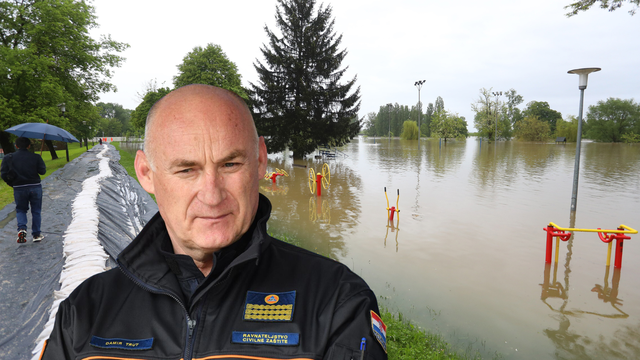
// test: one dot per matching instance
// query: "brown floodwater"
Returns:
(465, 256)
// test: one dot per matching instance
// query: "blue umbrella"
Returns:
(42, 131)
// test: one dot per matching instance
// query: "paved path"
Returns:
(29, 273)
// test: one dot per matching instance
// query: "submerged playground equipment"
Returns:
(607, 236)
(390, 212)
(274, 175)
(317, 179)
(394, 209)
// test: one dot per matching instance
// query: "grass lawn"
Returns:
(126, 160)
(6, 192)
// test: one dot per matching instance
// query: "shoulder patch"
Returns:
(261, 306)
(125, 344)
(379, 330)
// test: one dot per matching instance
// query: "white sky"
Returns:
(458, 47)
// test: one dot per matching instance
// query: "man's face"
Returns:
(206, 171)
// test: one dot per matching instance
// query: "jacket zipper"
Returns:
(191, 323)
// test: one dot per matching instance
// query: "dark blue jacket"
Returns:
(273, 301)
(28, 165)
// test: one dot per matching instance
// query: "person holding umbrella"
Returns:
(27, 189)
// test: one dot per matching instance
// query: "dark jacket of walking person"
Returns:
(27, 190)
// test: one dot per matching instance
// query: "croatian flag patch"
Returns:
(379, 330)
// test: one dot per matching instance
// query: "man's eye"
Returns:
(230, 165)
(185, 171)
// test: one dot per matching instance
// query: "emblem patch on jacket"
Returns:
(379, 330)
(269, 306)
(125, 344)
(265, 338)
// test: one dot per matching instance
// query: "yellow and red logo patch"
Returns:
(268, 306)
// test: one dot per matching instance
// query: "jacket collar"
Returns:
(143, 260)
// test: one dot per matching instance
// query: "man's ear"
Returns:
(144, 172)
(262, 158)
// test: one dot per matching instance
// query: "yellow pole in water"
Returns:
(385, 195)
(609, 253)
(557, 248)
(398, 199)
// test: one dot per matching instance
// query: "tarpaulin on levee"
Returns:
(91, 209)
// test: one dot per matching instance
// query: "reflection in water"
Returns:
(319, 212)
(394, 228)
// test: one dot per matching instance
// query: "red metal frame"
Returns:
(564, 236)
(619, 238)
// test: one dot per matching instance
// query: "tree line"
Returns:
(402, 120)
(611, 120)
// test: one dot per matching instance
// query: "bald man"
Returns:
(203, 279)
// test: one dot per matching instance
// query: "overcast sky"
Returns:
(458, 47)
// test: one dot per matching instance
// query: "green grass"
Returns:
(6, 192)
(127, 160)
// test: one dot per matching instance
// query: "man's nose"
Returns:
(212, 191)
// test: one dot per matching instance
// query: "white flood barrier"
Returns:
(84, 256)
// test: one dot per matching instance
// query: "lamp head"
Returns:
(584, 74)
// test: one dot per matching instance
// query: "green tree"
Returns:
(210, 66)
(299, 100)
(489, 111)
(409, 130)
(568, 129)
(48, 58)
(139, 115)
(542, 111)
(370, 124)
(584, 5)
(448, 125)
(117, 119)
(513, 113)
(533, 129)
(425, 127)
(610, 120)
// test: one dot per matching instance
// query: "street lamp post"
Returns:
(418, 84)
(389, 113)
(582, 85)
(86, 139)
(62, 107)
(497, 94)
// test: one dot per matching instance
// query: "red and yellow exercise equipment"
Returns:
(607, 236)
(317, 179)
(274, 175)
(394, 209)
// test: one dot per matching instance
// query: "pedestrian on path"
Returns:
(27, 190)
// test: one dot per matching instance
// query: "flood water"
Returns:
(465, 256)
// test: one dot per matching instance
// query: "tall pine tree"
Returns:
(299, 100)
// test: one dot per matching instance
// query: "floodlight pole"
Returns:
(582, 85)
(497, 94)
(418, 84)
